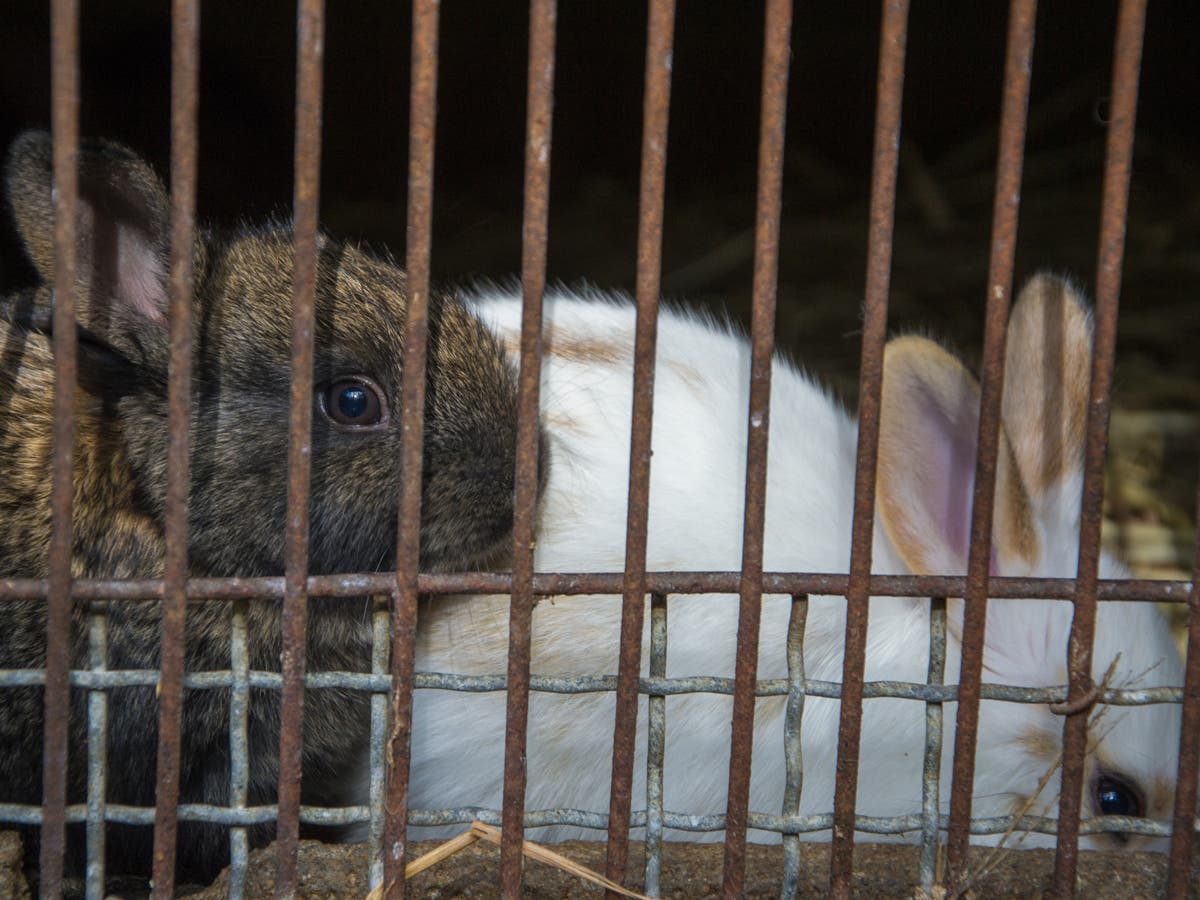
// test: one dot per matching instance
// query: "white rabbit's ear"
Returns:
(927, 447)
(1047, 375)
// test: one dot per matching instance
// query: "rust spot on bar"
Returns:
(659, 48)
(1184, 821)
(64, 39)
(776, 56)
(1006, 205)
(309, 58)
(185, 64)
(1118, 159)
(421, 133)
(542, 17)
(893, 38)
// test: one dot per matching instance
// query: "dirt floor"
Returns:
(329, 871)
(694, 871)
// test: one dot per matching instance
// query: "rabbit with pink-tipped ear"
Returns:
(926, 468)
(241, 301)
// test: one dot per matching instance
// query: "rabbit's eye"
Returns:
(354, 403)
(1116, 797)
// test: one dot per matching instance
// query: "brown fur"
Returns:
(238, 436)
(584, 350)
(1047, 377)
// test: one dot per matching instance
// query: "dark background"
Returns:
(952, 98)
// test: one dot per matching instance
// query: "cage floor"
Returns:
(694, 871)
(329, 871)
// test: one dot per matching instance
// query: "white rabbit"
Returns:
(926, 467)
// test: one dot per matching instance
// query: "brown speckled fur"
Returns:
(239, 410)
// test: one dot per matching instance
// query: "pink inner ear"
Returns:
(951, 473)
(141, 279)
(124, 268)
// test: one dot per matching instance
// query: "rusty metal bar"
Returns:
(793, 748)
(64, 75)
(892, 43)
(310, 51)
(421, 129)
(776, 56)
(97, 752)
(1183, 825)
(355, 585)
(656, 744)
(931, 775)
(1117, 167)
(542, 18)
(185, 64)
(1006, 206)
(659, 48)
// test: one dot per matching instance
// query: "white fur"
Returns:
(696, 506)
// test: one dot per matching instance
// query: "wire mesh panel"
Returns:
(386, 814)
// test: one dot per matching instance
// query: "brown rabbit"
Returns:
(239, 423)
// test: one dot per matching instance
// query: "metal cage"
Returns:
(393, 680)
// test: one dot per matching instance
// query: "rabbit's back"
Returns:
(695, 524)
(697, 474)
(927, 460)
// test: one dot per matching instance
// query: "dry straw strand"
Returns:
(542, 854)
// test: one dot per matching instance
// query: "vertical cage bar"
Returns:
(185, 62)
(543, 15)
(931, 776)
(380, 664)
(97, 750)
(776, 56)
(310, 51)
(1115, 203)
(239, 744)
(422, 122)
(793, 748)
(659, 49)
(889, 90)
(1184, 821)
(1006, 207)
(656, 745)
(64, 76)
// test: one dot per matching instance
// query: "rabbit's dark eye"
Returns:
(354, 403)
(1116, 797)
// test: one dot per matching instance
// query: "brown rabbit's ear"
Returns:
(929, 430)
(121, 231)
(1047, 376)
